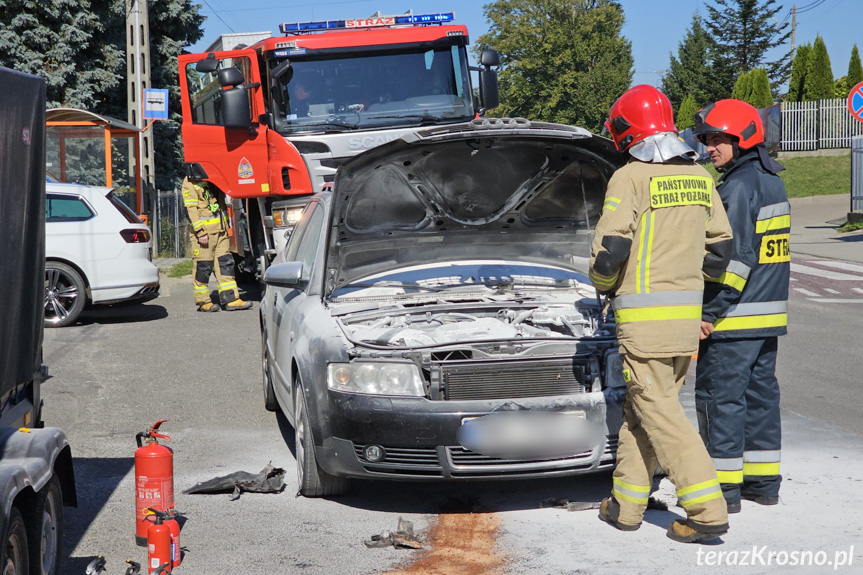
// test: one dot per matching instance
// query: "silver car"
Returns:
(429, 319)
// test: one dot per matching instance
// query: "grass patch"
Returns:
(811, 176)
(184, 268)
(849, 227)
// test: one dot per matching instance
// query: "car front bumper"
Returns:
(418, 437)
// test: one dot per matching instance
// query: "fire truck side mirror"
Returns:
(207, 65)
(230, 77)
(488, 89)
(489, 57)
(235, 108)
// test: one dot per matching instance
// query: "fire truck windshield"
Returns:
(363, 90)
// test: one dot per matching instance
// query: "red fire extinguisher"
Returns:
(158, 543)
(174, 526)
(154, 478)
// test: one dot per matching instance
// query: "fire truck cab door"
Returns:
(234, 159)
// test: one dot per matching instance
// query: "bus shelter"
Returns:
(87, 148)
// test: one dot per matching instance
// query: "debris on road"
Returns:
(402, 538)
(269, 480)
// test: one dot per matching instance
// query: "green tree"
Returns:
(62, 41)
(561, 60)
(744, 31)
(686, 113)
(799, 71)
(855, 69)
(761, 96)
(742, 87)
(841, 87)
(692, 71)
(79, 47)
(819, 80)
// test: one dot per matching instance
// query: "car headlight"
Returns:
(614, 370)
(376, 378)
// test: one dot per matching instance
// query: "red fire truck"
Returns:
(270, 124)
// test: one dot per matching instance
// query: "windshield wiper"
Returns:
(391, 284)
(420, 118)
(504, 285)
(331, 123)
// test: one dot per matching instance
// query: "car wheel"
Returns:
(65, 294)
(13, 555)
(44, 519)
(270, 402)
(312, 480)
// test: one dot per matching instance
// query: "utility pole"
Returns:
(138, 78)
(793, 25)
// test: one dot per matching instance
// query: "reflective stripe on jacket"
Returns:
(205, 211)
(662, 227)
(750, 299)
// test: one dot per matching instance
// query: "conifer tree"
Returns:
(855, 69)
(691, 72)
(819, 80)
(686, 113)
(799, 71)
(744, 31)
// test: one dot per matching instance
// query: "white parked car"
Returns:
(97, 251)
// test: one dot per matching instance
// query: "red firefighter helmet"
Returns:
(733, 117)
(640, 112)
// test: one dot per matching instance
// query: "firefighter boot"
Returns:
(237, 304)
(688, 531)
(209, 307)
(609, 511)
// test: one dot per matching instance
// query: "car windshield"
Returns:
(466, 276)
(408, 87)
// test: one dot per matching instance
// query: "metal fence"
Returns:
(857, 173)
(171, 225)
(820, 124)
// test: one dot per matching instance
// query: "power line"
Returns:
(219, 17)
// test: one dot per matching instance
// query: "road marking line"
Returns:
(828, 290)
(858, 290)
(836, 300)
(801, 269)
(793, 279)
(807, 292)
(841, 265)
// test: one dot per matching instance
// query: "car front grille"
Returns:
(504, 379)
(422, 461)
(465, 462)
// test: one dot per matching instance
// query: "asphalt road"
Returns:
(123, 368)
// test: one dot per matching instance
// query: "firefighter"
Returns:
(210, 248)
(745, 310)
(662, 227)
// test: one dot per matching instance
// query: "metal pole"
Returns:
(176, 223)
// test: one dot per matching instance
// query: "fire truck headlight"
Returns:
(292, 215)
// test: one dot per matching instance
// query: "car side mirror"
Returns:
(286, 275)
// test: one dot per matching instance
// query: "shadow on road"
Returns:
(122, 313)
(96, 479)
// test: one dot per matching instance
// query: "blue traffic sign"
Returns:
(855, 102)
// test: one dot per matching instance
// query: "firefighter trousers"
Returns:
(216, 258)
(737, 402)
(656, 431)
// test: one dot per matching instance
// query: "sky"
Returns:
(655, 27)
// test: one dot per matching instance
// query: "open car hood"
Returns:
(488, 189)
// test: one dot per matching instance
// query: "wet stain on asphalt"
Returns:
(459, 544)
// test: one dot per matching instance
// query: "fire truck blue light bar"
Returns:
(373, 22)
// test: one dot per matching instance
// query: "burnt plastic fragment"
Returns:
(269, 480)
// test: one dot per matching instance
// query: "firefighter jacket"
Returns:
(205, 211)
(751, 298)
(662, 229)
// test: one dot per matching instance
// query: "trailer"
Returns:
(36, 476)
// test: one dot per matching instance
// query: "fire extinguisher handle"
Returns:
(163, 569)
(139, 438)
(156, 425)
(134, 568)
(159, 435)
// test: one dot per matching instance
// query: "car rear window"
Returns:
(124, 209)
(66, 209)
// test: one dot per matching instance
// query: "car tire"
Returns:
(14, 553)
(65, 294)
(43, 516)
(270, 401)
(311, 479)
